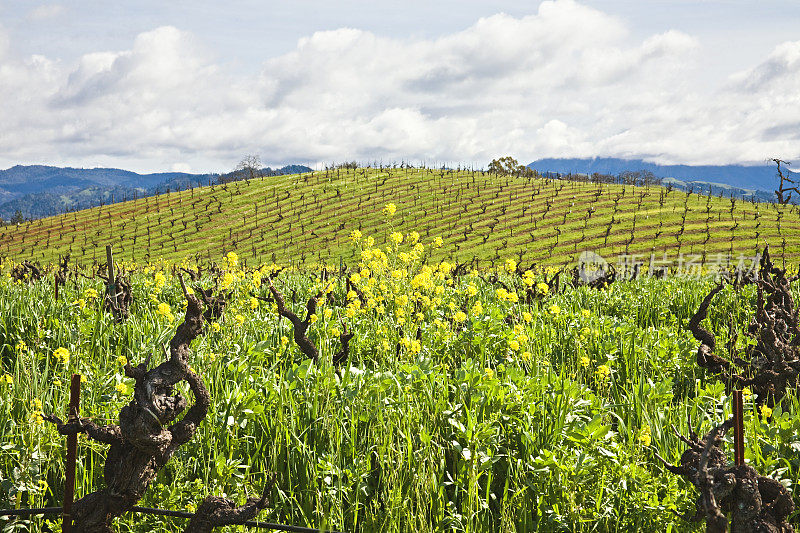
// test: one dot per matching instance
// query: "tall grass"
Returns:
(520, 418)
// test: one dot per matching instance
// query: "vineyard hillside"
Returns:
(307, 218)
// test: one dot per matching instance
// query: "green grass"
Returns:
(306, 219)
(469, 431)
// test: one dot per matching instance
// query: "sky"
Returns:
(196, 86)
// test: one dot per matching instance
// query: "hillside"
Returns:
(304, 218)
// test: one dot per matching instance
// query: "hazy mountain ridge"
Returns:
(36, 191)
(743, 177)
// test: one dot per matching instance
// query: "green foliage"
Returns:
(514, 417)
(507, 165)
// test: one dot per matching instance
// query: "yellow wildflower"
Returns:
(542, 287)
(644, 436)
(62, 354)
(233, 259)
(165, 310)
(389, 209)
(227, 281)
(160, 281)
(477, 308)
(527, 278)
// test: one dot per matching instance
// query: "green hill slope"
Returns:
(305, 218)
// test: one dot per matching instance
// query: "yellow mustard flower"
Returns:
(233, 259)
(62, 354)
(644, 436)
(542, 287)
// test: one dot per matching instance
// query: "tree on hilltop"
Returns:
(507, 165)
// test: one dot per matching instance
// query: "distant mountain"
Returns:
(756, 177)
(33, 178)
(36, 191)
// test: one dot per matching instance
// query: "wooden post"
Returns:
(738, 428)
(72, 449)
(111, 290)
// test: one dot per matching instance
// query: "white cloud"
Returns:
(181, 167)
(566, 81)
(46, 11)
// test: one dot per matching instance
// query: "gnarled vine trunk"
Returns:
(148, 434)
